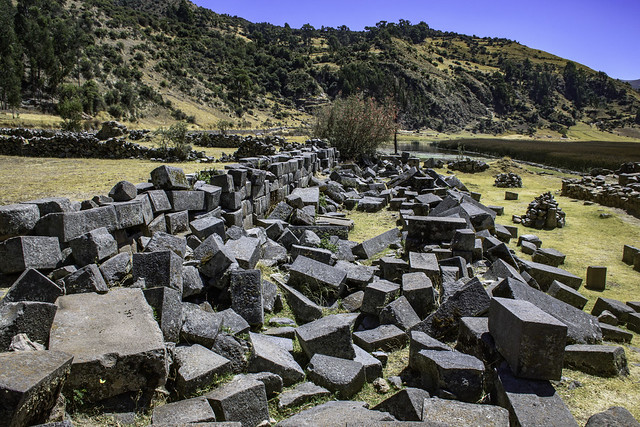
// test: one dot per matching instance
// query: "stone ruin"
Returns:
(542, 213)
(619, 190)
(157, 287)
(468, 165)
(508, 180)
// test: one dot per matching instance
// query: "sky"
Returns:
(601, 34)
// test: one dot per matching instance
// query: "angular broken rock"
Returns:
(93, 247)
(19, 253)
(405, 405)
(245, 250)
(123, 191)
(167, 308)
(316, 280)
(384, 337)
(245, 287)
(195, 410)
(169, 178)
(33, 286)
(161, 241)
(450, 412)
(86, 279)
(302, 307)
(17, 219)
(158, 269)
(25, 317)
(244, 400)
(342, 376)
(214, 257)
(116, 269)
(30, 383)
(199, 326)
(330, 335)
(399, 313)
(266, 355)
(302, 393)
(336, 413)
(600, 360)
(369, 248)
(197, 368)
(115, 340)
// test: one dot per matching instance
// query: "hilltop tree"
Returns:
(10, 63)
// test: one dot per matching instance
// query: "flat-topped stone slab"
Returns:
(451, 412)
(25, 317)
(243, 399)
(33, 286)
(600, 360)
(20, 253)
(197, 368)
(384, 337)
(546, 274)
(30, 383)
(116, 343)
(267, 355)
(342, 376)
(337, 413)
(301, 394)
(184, 412)
(330, 335)
(316, 280)
(370, 247)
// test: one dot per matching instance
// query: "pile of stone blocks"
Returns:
(543, 213)
(508, 180)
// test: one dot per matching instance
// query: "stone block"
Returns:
(566, 294)
(167, 309)
(599, 360)
(426, 263)
(123, 191)
(330, 335)
(341, 376)
(169, 178)
(615, 416)
(612, 333)
(212, 196)
(33, 286)
(336, 413)
(167, 242)
(451, 372)
(93, 247)
(405, 405)
(186, 200)
(222, 180)
(266, 355)
(197, 368)
(399, 313)
(159, 201)
(530, 402)
(69, 225)
(214, 257)
(242, 400)
(116, 269)
(245, 287)
(199, 326)
(302, 307)
(451, 412)
(530, 340)
(373, 367)
(370, 247)
(86, 279)
(318, 281)
(596, 277)
(324, 256)
(115, 340)
(628, 254)
(30, 384)
(25, 317)
(245, 250)
(420, 341)
(184, 412)
(20, 253)
(475, 339)
(384, 337)
(546, 274)
(17, 219)
(582, 327)
(163, 268)
(205, 227)
(377, 295)
(618, 308)
(301, 394)
(128, 214)
(510, 195)
(423, 230)
(392, 268)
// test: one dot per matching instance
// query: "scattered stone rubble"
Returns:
(158, 289)
(468, 165)
(508, 180)
(543, 213)
(619, 190)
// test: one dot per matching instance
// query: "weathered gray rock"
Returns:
(197, 368)
(186, 201)
(330, 335)
(420, 341)
(245, 250)
(377, 295)
(423, 230)
(316, 280)
(384, 337)
(169, 178)
(69, 225)
(245, 287)
(272, 382)
(530, 340)
(192, 283)
(25, 317)
(213, 256)
(341, 376)
(335, 413)
(123, 191)
(32, 286)
(470, 301)
(302, 393)
(116, 269)
(282, 211)
(242, 399)
(167, 242)
(618, 308)
(405, 405)
(531, 402)
(546, 274)
(177, 222)
(582, 327)
(566, 294)
(399, 313)
(163, 268)
(199, 326)
(86, 279)
(417, 288)
(548, 256)
(450, 412)
(17, 219)
(30, 384)
(129, 214)
(234, 349)
(266, 355)
(426, 263)
(475, 339)
(195, 410)
(452, 372)
(115, 340)
(372, 366)
(159, 201)
(358, 276)
(93, 247)
(600, 360)
(369, 248)
(324, 256)
(21, 342)
(596, 277)
(302, 307)
(19, 253)
(612, 333)
(167, 308)
(616, 416)
(205, 227)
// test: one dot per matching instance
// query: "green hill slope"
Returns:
(156, 61)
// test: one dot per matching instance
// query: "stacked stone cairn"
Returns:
(468, 165)
(508, 180)
(156, 287)
(618, 190)
(542, 213)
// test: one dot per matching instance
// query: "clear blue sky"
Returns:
(602, 34)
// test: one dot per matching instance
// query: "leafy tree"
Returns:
(174, 139)
(355, 125)
(638, 117)
(223, 126)
(70, 109)
(10, 63)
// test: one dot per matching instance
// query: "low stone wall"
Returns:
(214, 140)
(624, 195)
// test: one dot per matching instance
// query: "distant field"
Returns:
(576, 155)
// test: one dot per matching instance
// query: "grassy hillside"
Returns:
(152, 63)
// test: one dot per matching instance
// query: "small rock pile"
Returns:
(508, 180)
(254, 147)
(468, 166)
(111, 129)
(543, 212)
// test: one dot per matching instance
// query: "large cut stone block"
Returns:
(17, 219)
(200, 326)
(93, 247)
(342, 376)
(302, 307)
(377, 295)
(205, 227)
(268, 356)
(452, 372)
(116, 343)
(30, 383)
(184, 412)
(169, 178)
(531, 340)
(330, 335)
(86, 279)
(197, 368)
(33, 286)
(19, 253)
(546, 274)
(423, 230)
(25, 317)
(245, 287)
(384, 337)
(452, 413)
(243, 400)
(319, 281)
(214, 257)
(600, 360)
(335, 413)
(167, 306)
(69, 225)
(369, 248)
(417, 288)
(186, 200)
(162, 268)
(246, 251)
(129, 214)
